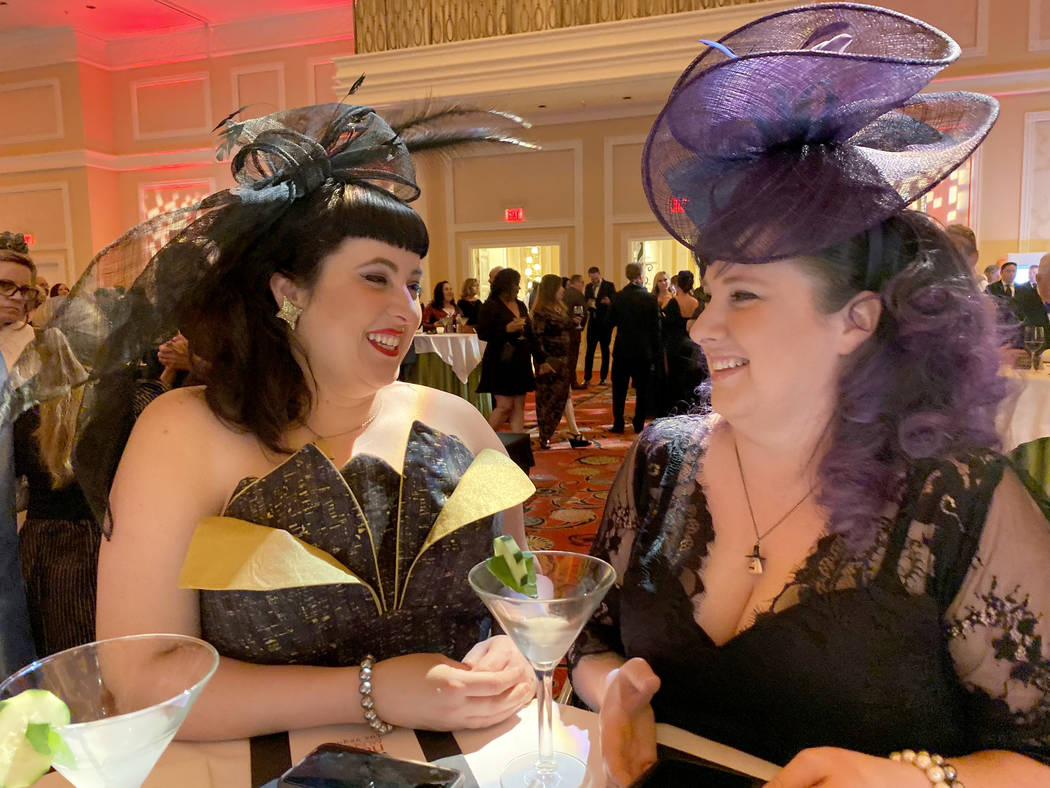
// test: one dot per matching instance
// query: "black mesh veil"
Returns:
(128, 299)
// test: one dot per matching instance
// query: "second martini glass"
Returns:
(570, 587)
(127, 697)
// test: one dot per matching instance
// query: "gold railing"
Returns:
(382, 25)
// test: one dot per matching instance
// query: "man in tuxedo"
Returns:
(599, 295)
(1032, 300)
(635, 314)
(1004, 288)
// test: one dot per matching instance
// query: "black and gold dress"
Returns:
(312, 564)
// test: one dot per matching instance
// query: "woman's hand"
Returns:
(499, 653)
(831, 767)
(434, 692)
(545, 369)
(515, 325)
(626, 721)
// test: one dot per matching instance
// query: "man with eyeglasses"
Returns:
(18, 296)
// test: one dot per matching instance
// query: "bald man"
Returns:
(1031, 301)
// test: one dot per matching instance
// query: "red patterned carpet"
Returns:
(572, 484)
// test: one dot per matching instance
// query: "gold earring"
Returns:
(289, 313)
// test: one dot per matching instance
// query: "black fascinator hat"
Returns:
(803, 129)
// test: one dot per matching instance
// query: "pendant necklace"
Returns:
(321, 441)
(755, 560)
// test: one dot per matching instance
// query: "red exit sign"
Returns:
(678, 204)
(514, 214)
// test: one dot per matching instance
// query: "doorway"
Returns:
(660, 254)
(532, 262)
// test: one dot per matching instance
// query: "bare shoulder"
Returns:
(447, 413)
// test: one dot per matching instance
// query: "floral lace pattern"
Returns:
(965, 542)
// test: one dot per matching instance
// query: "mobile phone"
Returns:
(339, 766)
(678, 772)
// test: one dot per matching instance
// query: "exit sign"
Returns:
(678, 204)
(514, 214)
(30, 240)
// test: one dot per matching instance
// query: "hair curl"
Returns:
(229, 316)
(926, 385)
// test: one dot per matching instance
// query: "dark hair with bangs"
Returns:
(229, 317)
(925, 385)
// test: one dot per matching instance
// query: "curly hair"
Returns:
(925, 385)
(253, 380)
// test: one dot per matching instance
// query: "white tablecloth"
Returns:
(227, 764)
(1025, 415)
(462, 352)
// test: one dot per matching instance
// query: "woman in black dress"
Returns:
(685, 364)
(834, 563)
(506, 366)
(469, 304)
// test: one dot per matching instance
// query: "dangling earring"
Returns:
(289, 313)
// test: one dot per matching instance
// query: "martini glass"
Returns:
(570, 587)
(127, 697)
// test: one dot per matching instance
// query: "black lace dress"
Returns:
(379, 524)
(935, 638)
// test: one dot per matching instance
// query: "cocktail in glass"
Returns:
(127, 697)
(570, 587)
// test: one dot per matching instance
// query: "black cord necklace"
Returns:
(755, 560)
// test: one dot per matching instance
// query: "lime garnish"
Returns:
(512, 566)
(29, 741)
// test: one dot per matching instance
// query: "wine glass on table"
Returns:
(1034, 341)
(570, 586)
(127, 697)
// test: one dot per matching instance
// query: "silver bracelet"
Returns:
(939, 772)
(367, 703)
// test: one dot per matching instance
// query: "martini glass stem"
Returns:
(546, 762)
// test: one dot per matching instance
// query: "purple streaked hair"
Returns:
(926, 385)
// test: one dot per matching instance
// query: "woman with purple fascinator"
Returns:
(832, 567)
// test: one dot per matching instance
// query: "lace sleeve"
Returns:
(999, 626)
(613, 543)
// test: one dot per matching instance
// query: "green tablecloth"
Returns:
(1034, 457)
(430, 370)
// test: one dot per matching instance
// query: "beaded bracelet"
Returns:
(367, 703)
(939, 772)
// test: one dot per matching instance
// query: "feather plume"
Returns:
(445, 128)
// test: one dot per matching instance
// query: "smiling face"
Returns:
(449, 294)
(13, 308)
(595, 276)
(775, 357)
(661, 282)
(356, 351)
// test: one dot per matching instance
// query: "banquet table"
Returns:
(480, 755)
(451, 362)
(1024, 421)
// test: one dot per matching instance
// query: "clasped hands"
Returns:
(431, 691)
(628, 739)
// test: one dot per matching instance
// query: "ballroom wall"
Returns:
(93, 141)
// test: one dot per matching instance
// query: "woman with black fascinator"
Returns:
(359, 503)
(833, 568)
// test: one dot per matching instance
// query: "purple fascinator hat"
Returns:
(803, 129)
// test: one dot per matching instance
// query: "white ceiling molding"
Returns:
(566, 69)
(72, 159)
(999, 83)
(29, 49)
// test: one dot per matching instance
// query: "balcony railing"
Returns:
(382, 25)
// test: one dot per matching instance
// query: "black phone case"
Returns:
(339, 766)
